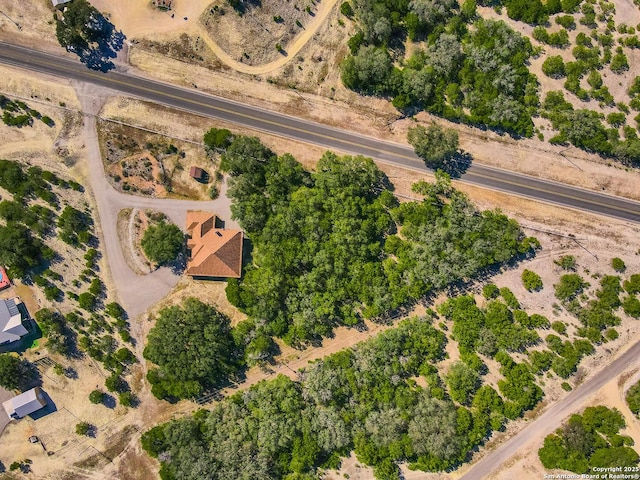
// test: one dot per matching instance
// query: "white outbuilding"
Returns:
(25, 403)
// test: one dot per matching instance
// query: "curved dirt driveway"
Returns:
(136, 18)
(292, 49)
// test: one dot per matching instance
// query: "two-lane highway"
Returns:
(315, 133)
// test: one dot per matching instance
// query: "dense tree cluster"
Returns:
(74, 226)
(471, 72)
(27, 222)
(193, 348)
(362, 399)
(589, 441)
(325, 252)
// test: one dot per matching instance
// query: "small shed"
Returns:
(59, 4)
(197, 173)
(25, 403)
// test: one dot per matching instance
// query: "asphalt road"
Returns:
(310, 132)
(551, 419)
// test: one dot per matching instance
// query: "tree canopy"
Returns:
(14, 372)
(193, 348)
(434, 144)
(19, 250)
(162, 242)
(472, 70)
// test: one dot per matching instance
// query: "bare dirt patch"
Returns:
(138, 161)
(184, 47)
(35, 25)
(252, 36)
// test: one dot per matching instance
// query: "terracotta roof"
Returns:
(215, 252)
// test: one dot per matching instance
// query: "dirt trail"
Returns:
(291, 50)
(137, 18)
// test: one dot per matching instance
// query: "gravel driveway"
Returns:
(4, 418)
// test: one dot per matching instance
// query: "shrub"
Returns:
(87, 301)
(126, 399)
(83, 428)
(570, 286)
(509, 298)
(531, 280)
(618, 265)
(566, 21)
(346, 9)
(559, 327)
(96, 397)
(490, 291)
(554, 67)
(566, 262)
(115, 383)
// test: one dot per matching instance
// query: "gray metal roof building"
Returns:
(11, 328)
(25, 403)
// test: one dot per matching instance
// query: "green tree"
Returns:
(434, 144)
(83, 428)
(531, 280)
(566, 262)
(633, 398)
(13, 371)
(631, 306)
(96, 397)
(569, 287)
(553, 67)
(162, 242)
(115, 310)
(462, 382)
(193, 346)
(74, 226)
(218, 139)
(368, 71)
(346, 9)
(87, 301)
(19, 250)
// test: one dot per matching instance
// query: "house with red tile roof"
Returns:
(213, 251)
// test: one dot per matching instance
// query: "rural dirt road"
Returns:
(135, 292)
(551, 419)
